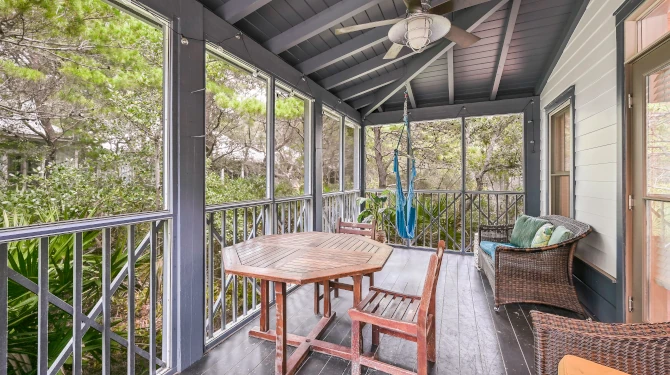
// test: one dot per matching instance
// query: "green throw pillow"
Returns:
(525, 229)
(543, 235)
(560, 234)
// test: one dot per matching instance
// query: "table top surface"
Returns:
(302, 258)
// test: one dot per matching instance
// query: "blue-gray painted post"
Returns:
(188, 186)
(271, 211)
(317, 166)
(43, 307)
(532, 152)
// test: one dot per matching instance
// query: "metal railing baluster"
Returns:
(4, 283)
(131, 301)
(209, 271)
(107, 300)
(153, 288)
(224, 288)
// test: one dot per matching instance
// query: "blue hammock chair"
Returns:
(405, 218)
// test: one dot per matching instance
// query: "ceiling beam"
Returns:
(450, 73)
(359, 70)
(410, 93)
(511, 23)
(314, 25)
(362, 102)
(485, 108)
(344, 50)
(235, 10)
(370, 85)
(570, 27)
(469, 20)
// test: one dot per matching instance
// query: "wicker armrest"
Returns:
(495, 233)
(631, 348)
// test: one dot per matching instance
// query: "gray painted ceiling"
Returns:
(540, 27)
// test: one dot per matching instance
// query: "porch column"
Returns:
(531, 133)
(317, 165)
(187, 169)
(361, 161)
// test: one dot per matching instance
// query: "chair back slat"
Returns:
(430, 285)
(362, 229)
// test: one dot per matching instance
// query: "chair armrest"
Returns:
(386, 291)
(495, 233)
(631, 348)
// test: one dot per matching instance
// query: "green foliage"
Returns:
(376, 208)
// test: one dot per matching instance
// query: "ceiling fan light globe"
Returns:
(411, 32)
(418, 33)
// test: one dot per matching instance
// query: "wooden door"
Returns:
(650, 184)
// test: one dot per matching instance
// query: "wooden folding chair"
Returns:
(405, 316)
(361, 229)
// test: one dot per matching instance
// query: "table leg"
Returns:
(326, 299)
(265, 306)
(280, 306)
(358, 289)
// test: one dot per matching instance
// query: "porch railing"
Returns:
(97, 275)
(454, 216)
(339, 205)
(230, 301)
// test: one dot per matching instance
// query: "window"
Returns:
(380, 143)
(235, 132)
(560, 159)
(291, 145)
(81, 112)
(331, 151)
(652, 26)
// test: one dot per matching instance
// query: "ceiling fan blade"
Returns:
(461, 37)
(412, 5)
(393, 51)
(363, 26)
(450, 6)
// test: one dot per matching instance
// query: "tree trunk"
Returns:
(379, 160)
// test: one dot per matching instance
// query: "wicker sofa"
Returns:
(535, 275)
(637, 349)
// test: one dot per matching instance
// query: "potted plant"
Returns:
(376, 209)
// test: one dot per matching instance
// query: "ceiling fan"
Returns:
(421, 26)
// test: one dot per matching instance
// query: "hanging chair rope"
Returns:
(405, 217)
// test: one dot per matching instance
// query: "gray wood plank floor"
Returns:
(471, 337)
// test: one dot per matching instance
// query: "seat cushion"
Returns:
(490, 247)
(525, 229)
(572, 365)
(543, 235)
(560, 234)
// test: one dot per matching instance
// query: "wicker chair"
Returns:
(537, 275)
(639, 349)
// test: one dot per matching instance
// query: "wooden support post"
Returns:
(265, 306)
(358, 289)
(317, 297)
(326, 299)
(280, 305)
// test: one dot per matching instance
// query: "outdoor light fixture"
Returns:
(418, 30)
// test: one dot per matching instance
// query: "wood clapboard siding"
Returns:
(589, 63)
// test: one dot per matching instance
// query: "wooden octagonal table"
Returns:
(303, 258)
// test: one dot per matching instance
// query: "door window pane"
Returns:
(658, 133)
(290, 121)
(331, 152)
(494, 153)
(235, 128)
(658, 261)
(81, 111)
(654, 25)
